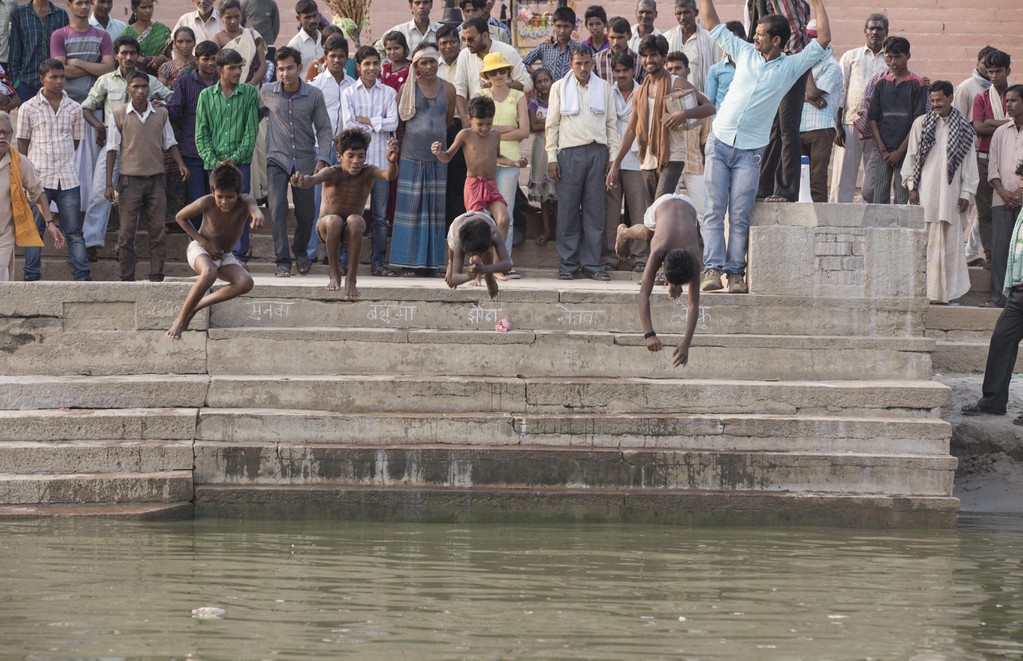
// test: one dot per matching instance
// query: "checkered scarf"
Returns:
(960, 139)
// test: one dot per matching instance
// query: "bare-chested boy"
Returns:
(671, 228)
(474, 236)
(482, 148)
(346, 187)
(210, 253)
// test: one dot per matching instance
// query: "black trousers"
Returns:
(455, 200)
(1001, 355)
(779, 174)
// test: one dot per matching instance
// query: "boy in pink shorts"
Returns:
(480, 144)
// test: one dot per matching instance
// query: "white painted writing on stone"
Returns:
(269, 310)
(479, 314)
(682, 317)
(577, 317)
(391, 314)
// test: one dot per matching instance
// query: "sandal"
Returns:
(282, 272)
(976, 409)
(989, 304)
(659, 279)
(303, 266)
(1018, 421)
(384, 272)
(639, 267)
(512, 275)
(408, 273)
(602, 276)
(565, 276)
(775, 198)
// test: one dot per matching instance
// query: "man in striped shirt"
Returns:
(817, 128)
(226, 121)
(49, 130)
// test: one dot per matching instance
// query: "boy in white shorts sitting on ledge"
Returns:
(210, 253)
(671, 228)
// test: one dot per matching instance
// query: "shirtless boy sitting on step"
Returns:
(210, 253)
(346, 187)
(670, 227)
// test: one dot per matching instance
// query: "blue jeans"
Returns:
(731, 177)
(508, 184)
(69, 206)
(378, 219)
(198, 184)
(314, 240)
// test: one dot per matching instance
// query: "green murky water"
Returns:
(110, 589)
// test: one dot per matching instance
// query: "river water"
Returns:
(113, 589)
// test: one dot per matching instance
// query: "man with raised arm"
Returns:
(742, 127)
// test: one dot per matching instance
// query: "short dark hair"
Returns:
(226, 178)
(477, 23)
(365, 52)
(895, 46)
(125, 40)
(303, 7)
(476, 4)
(1018, 89)
(394, 35)
(879, 17)
(206, 49)
(654, 43)
(135, 75)
(229, 4)
(942, 86)
(777, 26)
(351, 139)
(423, 45)
(329, 30)
(984, 52)
(582, 50)
(998, 59)
(679, 267)
(286, 53)
(619, 24)
(475, 235)
(736, 28)
(564, 15)
(677, 56)
(686, 3)
(336, 42)
(481, 107)
(595, 11)
(48, 65)
(228, 56)
(623, 60)
(447, 30)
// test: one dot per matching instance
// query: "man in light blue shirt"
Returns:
(742, 128)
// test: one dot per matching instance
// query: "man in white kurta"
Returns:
(940, 171)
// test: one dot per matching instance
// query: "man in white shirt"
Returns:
(307, 41)
(101, 19)
(418, 30)
(646, 12)
(690, 38)
(478, 43)
(204, 21)
(582, 135)
(859, 66)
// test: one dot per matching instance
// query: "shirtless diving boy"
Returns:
(474, 236)
(670, 227)
(346, 187)
(210, 253)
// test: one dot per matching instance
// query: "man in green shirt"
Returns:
(226, 121)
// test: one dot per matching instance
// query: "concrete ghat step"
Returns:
(135, 424)
(369, 393)
(101, 392)
(131, 511)
(95, 456)
(662, 431)
(164, 487)
(461, 466)
(555, 353)
(965, 358)
(548, 306)
(485, 505)
(961, 324)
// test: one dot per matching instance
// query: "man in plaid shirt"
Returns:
(32, 25)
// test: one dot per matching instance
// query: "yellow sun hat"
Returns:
(494, 62)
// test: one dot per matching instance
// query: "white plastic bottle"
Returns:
(804, 180)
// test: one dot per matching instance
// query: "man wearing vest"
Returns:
(141, 134)
(17, 226)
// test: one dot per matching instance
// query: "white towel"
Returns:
(996, 103)
(570, 95)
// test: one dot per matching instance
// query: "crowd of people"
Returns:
(718, 112)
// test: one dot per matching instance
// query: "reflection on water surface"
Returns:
(95, 588)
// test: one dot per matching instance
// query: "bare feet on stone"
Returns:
(334, 284)
(351, 293)
(621, 243)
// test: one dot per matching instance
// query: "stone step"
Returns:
(549, 304)
(962, 323)
(130, 511)
(965, 358)
(134, 424)
(381, 393)
(506, 505)
(103, 392)
(716, 432)
(35, 457)
(158, 487)
(555, 353)
(540, 467)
